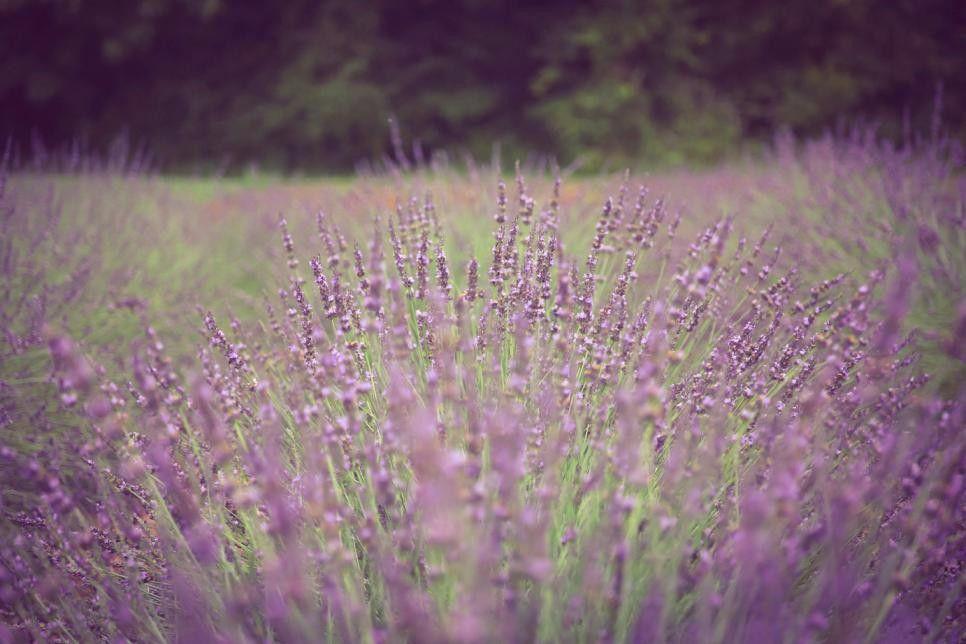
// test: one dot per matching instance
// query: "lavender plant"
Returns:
(672, 428)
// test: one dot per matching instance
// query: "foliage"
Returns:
(310, 86)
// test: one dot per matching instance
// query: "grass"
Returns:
(647, 432)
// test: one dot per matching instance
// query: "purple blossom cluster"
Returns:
(678, 433)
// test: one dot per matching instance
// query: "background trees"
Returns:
(309, 85)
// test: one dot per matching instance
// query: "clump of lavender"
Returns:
(670, 434)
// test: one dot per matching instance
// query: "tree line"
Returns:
(310, 85)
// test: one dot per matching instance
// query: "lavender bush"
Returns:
(651, 425)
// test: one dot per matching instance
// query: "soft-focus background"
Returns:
(305, 86)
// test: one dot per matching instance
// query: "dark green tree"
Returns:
(310, 85)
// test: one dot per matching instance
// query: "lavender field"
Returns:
(454, 404)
